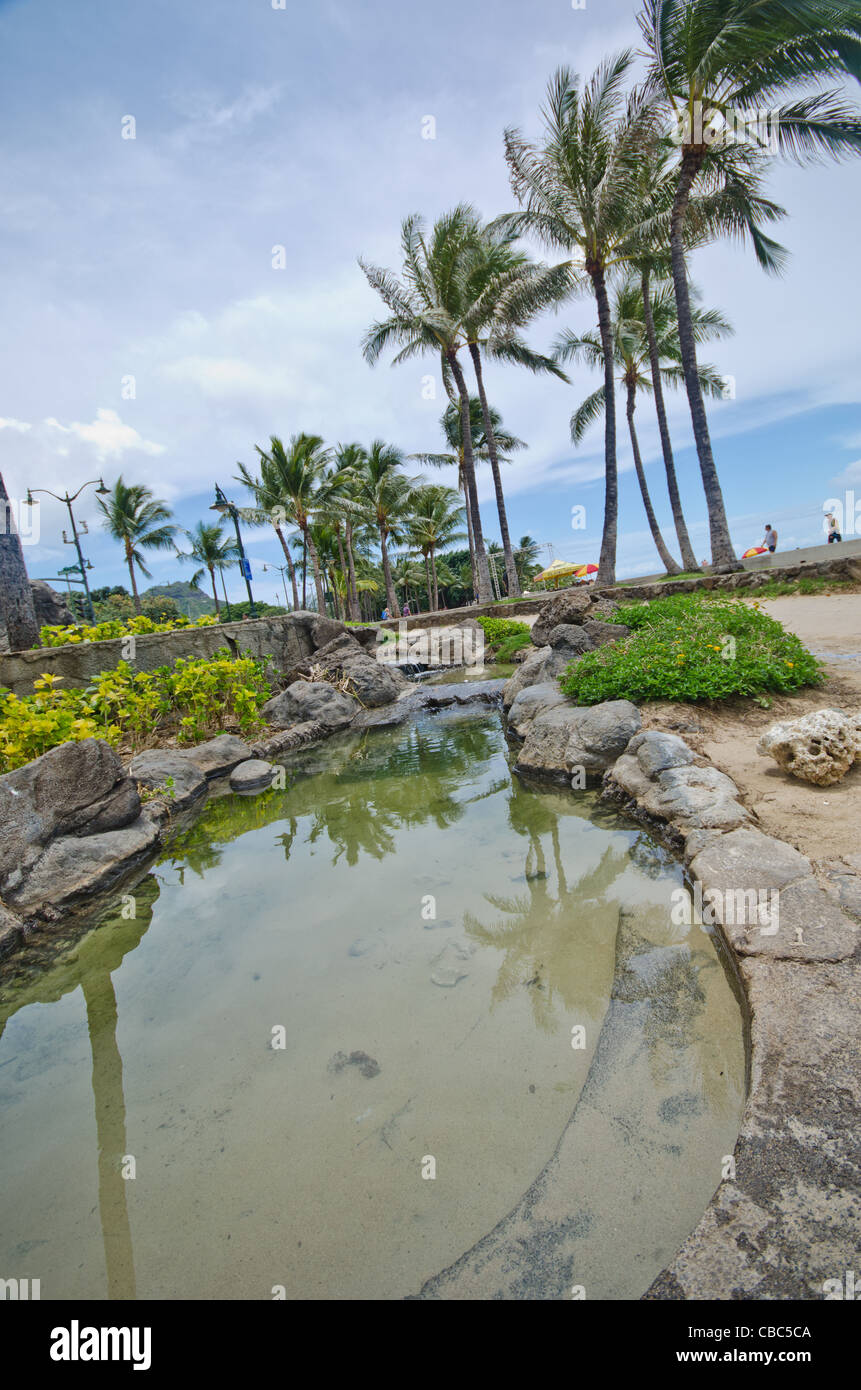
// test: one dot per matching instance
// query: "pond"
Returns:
(337, 1032)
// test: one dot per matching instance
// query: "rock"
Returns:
(560, 658)
(534, 700)
(74, 867)
(657, 751)
(818, 747)
(170, 772)
(75, 789)
(529, 673)
(368, 1066)
(219, 755)
(288, 739)
(51, 608)
(603, 608)
(571, 606)
(569, 635)
(565, 739)
(373, 682)
(764, 893)
(600, 734)
(688, 797)
(469, 693)
(325, 629)
(310, 700)
(602, 633)
(11, 931)
(255, 775)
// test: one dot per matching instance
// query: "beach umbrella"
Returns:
(584, 571)
(754, 550)
(560, 569)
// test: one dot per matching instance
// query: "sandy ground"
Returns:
(822, 822)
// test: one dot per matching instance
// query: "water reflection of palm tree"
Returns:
(551, 943)
(97, 956)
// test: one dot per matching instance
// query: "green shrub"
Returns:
(191, 700)
(504, 636)
(112, 628)
(688, 647)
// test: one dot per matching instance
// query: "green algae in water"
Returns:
(424, 932)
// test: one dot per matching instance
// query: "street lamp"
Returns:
(226, 508)
(269, 566)
(101, 491)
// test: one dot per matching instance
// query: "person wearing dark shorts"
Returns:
(833, 533)
(769, 540)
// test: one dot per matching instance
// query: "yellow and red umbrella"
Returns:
(584, 571)
(754, 550)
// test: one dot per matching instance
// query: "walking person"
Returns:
(769, 540)
(833, 533)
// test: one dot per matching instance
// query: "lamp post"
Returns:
(226, 508)
(269, 566)
(101, 491)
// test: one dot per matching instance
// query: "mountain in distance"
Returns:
(192, 602)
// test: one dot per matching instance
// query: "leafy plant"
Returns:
(113, 628)
(505, 636)
(686, 647)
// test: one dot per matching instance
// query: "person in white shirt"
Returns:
(769, 540)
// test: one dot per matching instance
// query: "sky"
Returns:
(150, 329)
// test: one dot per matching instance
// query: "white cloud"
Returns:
(20, 426)
(107, 435)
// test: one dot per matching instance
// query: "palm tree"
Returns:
(137, 518)
(527, 556)
(434, 523)
(269, 507)
(502, 290)
(341, 508)
(213, 550)
(709, 60)
(451, 424)
(631, 352)
(575, 191)
(292, 476)
(426, 315)
(384, 493)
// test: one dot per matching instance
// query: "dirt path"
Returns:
(822, 822)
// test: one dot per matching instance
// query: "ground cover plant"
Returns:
(112, 628)
(184, 703)
(504, 636)
(693, 647)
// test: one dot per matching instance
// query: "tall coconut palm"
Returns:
(435, 518)
(631, 353)
(292, 476)
(269, 508)
(502, 290)
(213, 550)
(426, 314)
(709, 60)
(575, 191)
(342, 508)
(140, 521)
(451, 422)
(384, 493)
(527, 556)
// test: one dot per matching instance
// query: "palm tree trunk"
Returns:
(211, 569)
(723, 555)
(607, 559)
(666, 558)
(226, 600)
(689, 559)
(428, 578)
(512, 581)
(355, 612)
(289, 559)
(435, 581)
(131, 564)
(304, 569)
(17, 613)
(391, 596)
(484, 592)
(468, 510)
(318, 578)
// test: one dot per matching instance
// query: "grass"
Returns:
(504, 636)
(692, 647)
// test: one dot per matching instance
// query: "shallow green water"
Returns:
(427, 932)
(461, 675)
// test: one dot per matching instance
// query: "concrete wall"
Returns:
(286, 639)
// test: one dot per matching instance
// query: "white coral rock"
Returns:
(818, 747)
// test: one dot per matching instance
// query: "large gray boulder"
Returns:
(373, 682)
(255, 775)
(528, 673)
(532, 701)
(219, 755)
(310, 700)
(566, 741)
(11, 931)
(571, 606)
(171, 774)
(75, 789)
(657, 775)
(602, 633)
(73, 867)
(51, 608)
